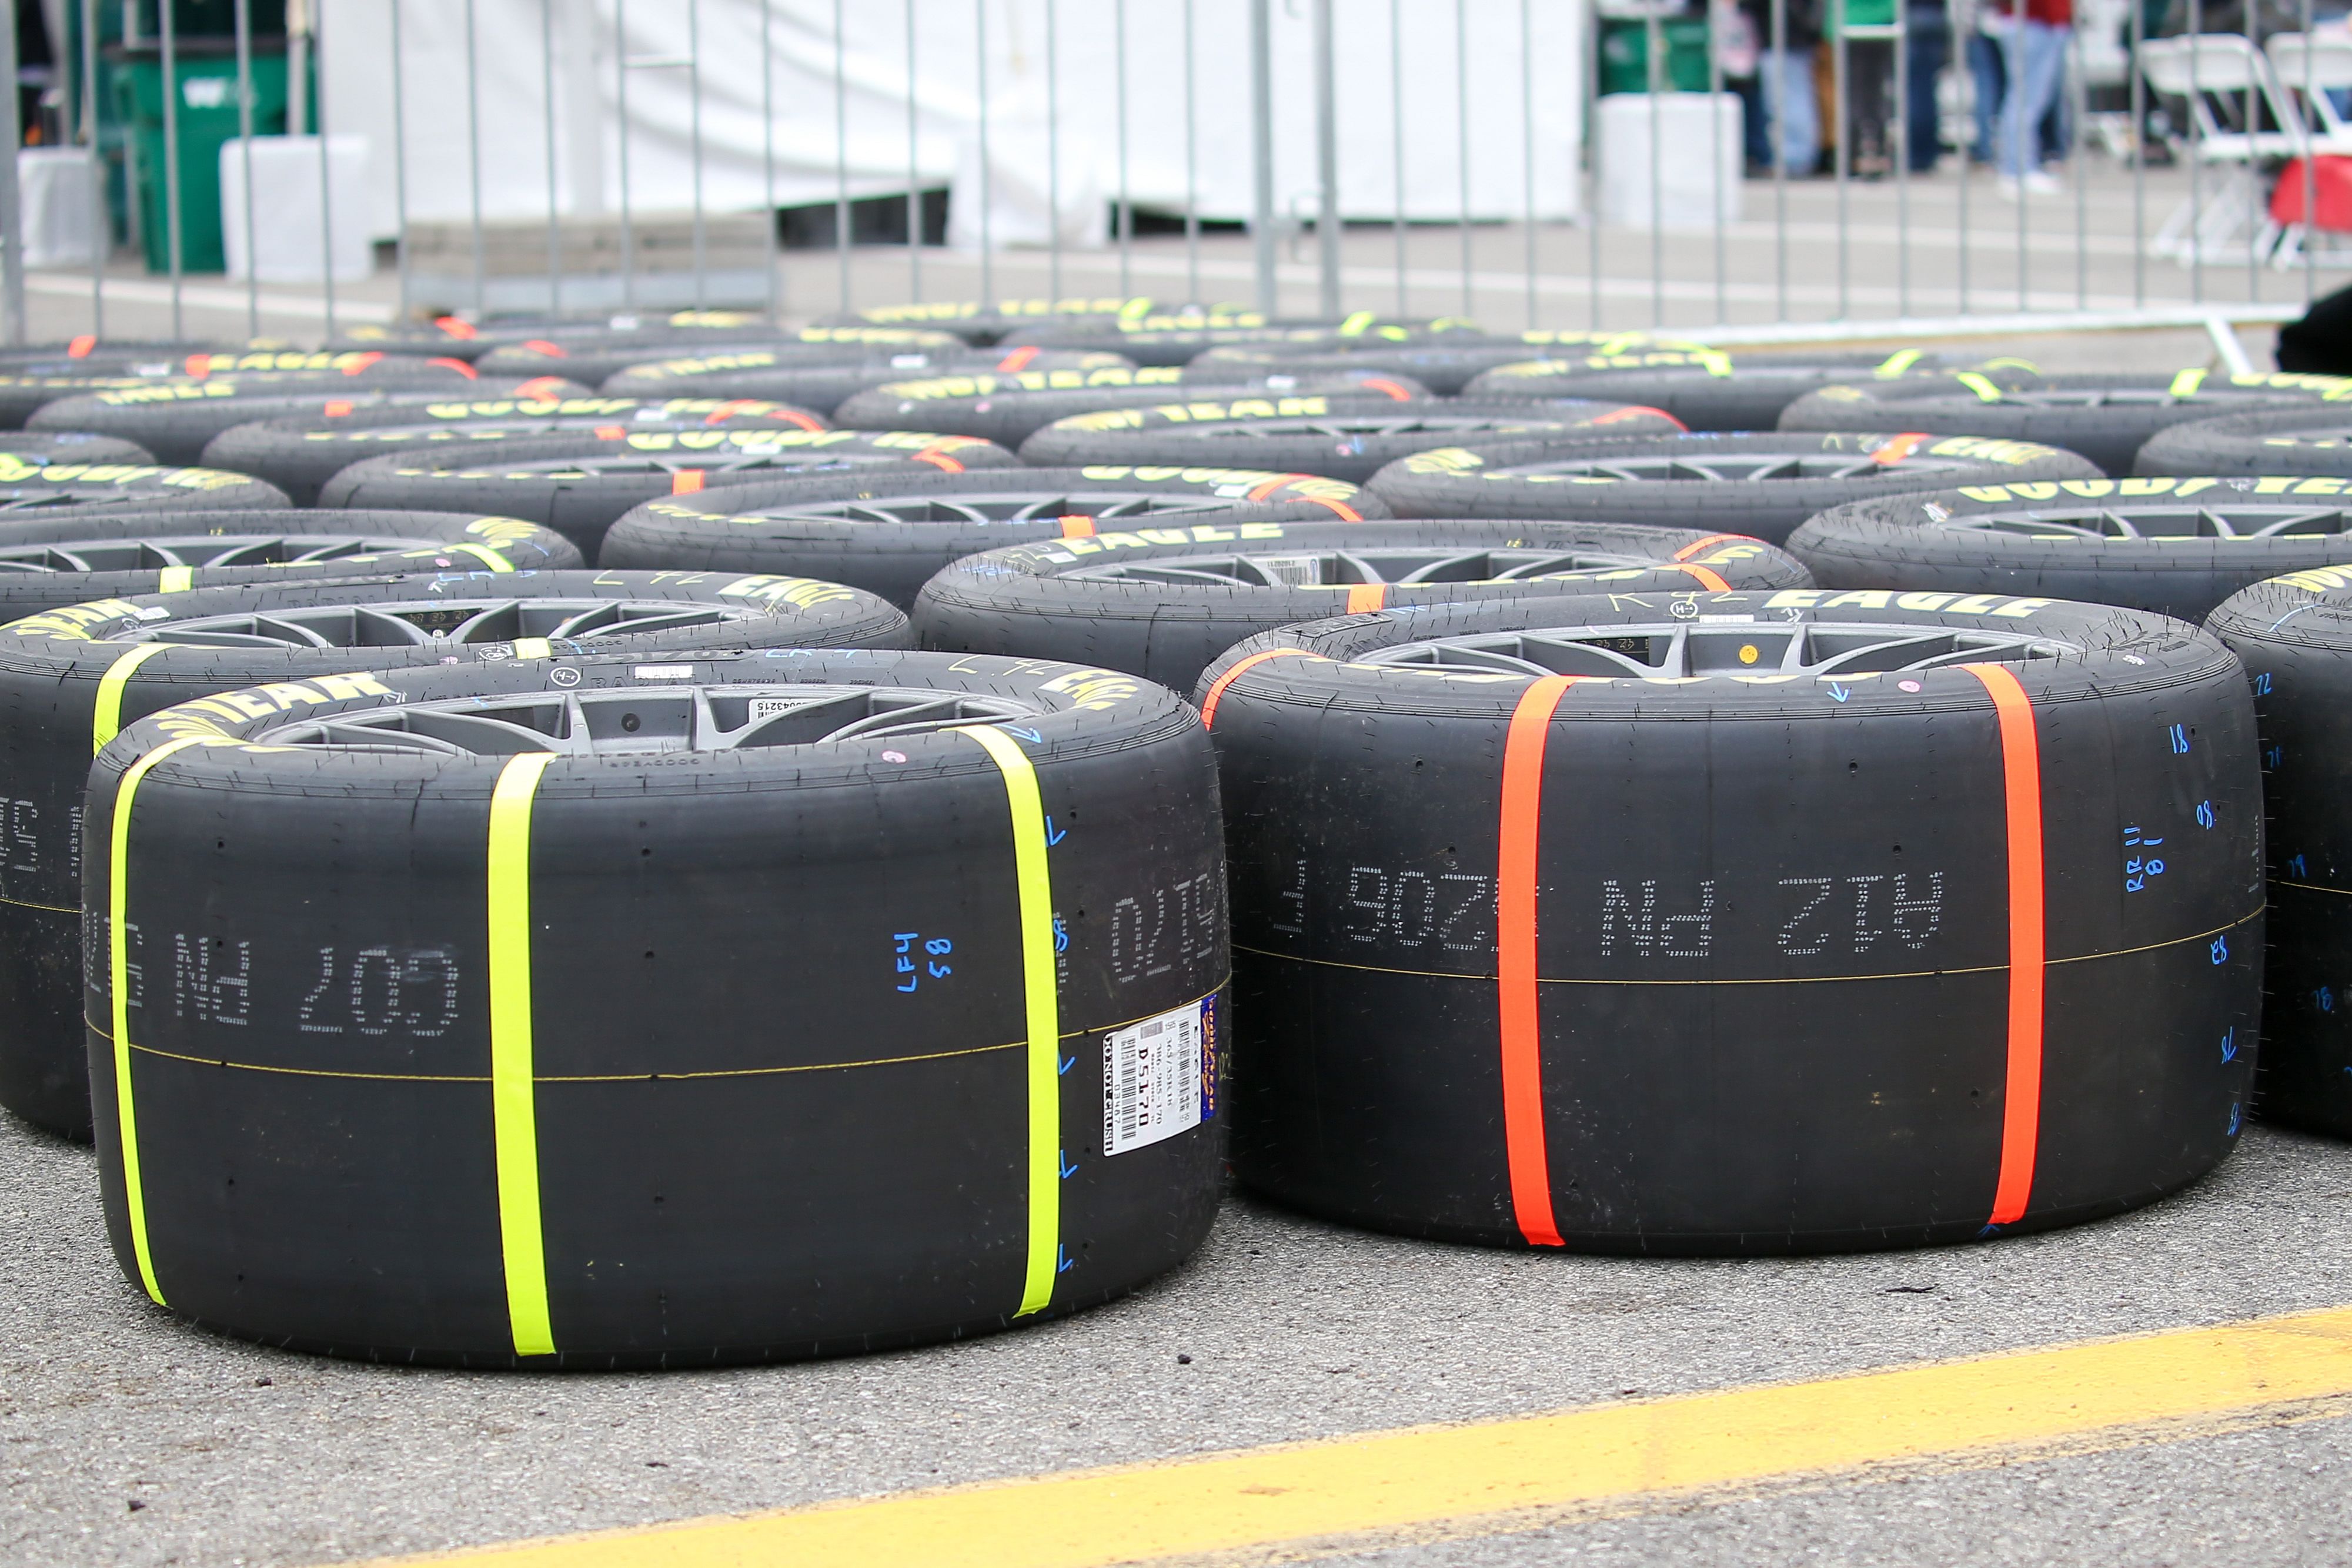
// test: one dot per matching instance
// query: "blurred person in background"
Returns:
(1869, 82)
(2033, 36)
(1926, 45)
(1784, 99)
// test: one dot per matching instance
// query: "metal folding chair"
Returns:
(2239, 122)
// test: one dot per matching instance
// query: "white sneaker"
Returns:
(2041, 183)
(2007, 185)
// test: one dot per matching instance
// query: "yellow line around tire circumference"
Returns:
(1497, 1476)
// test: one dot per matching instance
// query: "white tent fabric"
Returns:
(1524, 57)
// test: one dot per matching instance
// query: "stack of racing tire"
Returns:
(661, 840)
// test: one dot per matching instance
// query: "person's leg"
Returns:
(2045, 82)
(1871, 64)
(1927, 44)
(1984, 65)
(1788, 80)
(2012, 130)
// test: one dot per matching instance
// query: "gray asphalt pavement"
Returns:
(125, 1439)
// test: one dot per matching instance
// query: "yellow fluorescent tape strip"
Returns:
(514, 1113)
(1044, 1009)
(486, 555)
(175, 579)
(118, 979)
(106, 720)
(1419, 1478)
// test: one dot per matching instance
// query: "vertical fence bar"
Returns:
(12, 227)
(694, 141)
(1462, 134)
(554, 221)
(2020, 152)
(2310, 174)
(987, 251)
(1528, 142)
(1053, 161)
(621, 132)
(474, 163)
(2254, 188)
(243, 23)
(173, 232)
(102, 224)
(1396, 133)
(841, 152)
(1776, 102)
(2080, 167)
(1192, 171)
(1261, 46)
(1714, 156)
(1125, 204)
(1327, 165)
(1655, 77)
(1953, 11)
(326, 180)
(399, 160)
(773, 291)
(1593, 164)
(2136, 21)
(914, 177)
(1841, 124)
(1899, 148)
(2196, 155)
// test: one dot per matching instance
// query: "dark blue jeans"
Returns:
(1928, 44)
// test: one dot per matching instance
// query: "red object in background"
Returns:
(2331, 185)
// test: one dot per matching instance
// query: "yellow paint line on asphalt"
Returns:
(1446, 1478)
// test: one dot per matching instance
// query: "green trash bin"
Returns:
(1625, 55)
(206, 69)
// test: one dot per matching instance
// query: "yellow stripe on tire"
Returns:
(106, 720)
(118, 979)
(1043, 1006)
(513, 1096)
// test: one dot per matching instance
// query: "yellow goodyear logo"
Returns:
(1188, 412)
(1444, 460)
(72, 622)
(2014, 453)
(987, 385)
(502, 530)
(1255, 483)
(2137, 489)
(1064, 551)
(1890, 599)
(803, 593)
(166, 391)
(500, 407)
(712, 318)
(758, 440)
(2316, 579)
(1093, 688)
(203, 715)
(886, 336)
(2331, 389)
(292, 360)
(695, 367)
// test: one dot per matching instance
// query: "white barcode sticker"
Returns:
(665, 672)
(1155, 1082)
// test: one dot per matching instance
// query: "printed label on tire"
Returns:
(1153, 1080)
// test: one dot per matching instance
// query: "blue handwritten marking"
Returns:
(2179, 736)
(1067, 1062)
(2326, 998)
(2295, 865)
(1061, 935)
(1839, 692)
(2230, 1046)
(1069, 1167)
(1065, 1262)
(2262, 685)
(938, 947)
(1031, 735)
(2220, 948)
(2237, 1117)
(2205, 813)
(1054, 835)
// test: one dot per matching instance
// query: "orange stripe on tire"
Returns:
(1216, 692)
(1018, 358)
(2021, 767)
(1074, 526)
(1695, 546)
(456, 327)
(540, 388)
(1515, 959)
(337, 409)
(1397, 390)
(938, 460)
(80, 347)
(685, 482)
(1897, 447)
(1366, 597)
(1708, 579)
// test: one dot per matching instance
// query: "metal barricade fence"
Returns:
(1919, 242)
